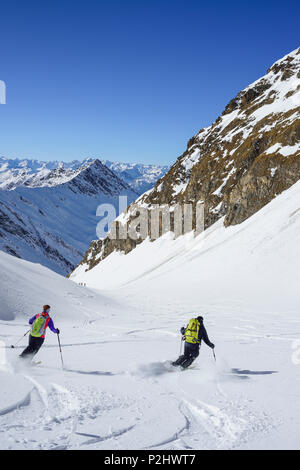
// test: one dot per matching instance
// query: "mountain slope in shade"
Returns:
(248, 156)
(53, 221)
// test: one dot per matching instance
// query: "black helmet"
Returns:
(200, 319)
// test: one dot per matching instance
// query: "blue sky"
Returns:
(129, 80)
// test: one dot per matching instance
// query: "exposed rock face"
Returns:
(238, 164)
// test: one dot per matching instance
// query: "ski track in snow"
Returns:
(64, 412)
(118, 390)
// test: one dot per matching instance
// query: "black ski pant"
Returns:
(191, 351)
(33, 346)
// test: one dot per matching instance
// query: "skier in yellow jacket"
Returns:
(193, 334)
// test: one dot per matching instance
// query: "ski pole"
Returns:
(181, 341)
(214, 355)
(62, 362)
(12, 346)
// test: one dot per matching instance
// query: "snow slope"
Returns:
(117, 390)
(260, 255)
(25, 287)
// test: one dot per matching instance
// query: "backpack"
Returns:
(39, 326)
(192, 331)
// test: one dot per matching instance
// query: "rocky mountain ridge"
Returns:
(248, 156)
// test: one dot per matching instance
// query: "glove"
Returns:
(57, 331)
(212, 346)
(182, 330)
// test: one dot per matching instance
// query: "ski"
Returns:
(36, 363)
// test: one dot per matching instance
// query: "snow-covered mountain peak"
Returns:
(30, 173)
(290, 60)
(89, 176)
(93, 177)
(141, 177)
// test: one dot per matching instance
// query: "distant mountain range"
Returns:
(234, 167)
(35, 173)
(139, 176)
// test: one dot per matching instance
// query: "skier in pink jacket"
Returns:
(40, 323)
